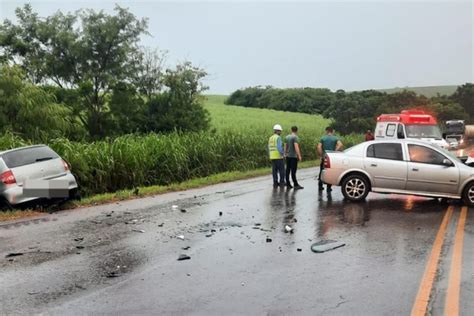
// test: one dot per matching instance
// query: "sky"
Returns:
(351, 45)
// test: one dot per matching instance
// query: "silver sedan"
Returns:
(401, 167)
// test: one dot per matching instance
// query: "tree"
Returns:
(149, 76)
(464, 95)
(179, 107)
(31, 111)
(91, 53)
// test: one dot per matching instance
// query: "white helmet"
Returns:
(277, 127)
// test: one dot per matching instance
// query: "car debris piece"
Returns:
(161, 225)
(209, 235)
(174, 207)
(183, 210)
(113, 274)
(186, 248)
(220, 213)
(79, 239)
(326, 245)
(183, 257)
(33, 293)
(138, 230)
(80, 247)
(288, 229)
(14, 254)
(180, 237)
(269, 239)
(299, 249)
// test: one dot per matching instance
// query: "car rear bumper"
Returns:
(15, 195)
(330, 176)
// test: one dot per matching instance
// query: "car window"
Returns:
(385, 151)
(425, 155)
(390, 130)
(27, 156)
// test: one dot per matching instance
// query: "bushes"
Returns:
(131, 161)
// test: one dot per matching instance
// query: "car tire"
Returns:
(355, 188)
(5, 205)
(468, 194)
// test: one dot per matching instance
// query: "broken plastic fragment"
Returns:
(183, 257)
(326, 245)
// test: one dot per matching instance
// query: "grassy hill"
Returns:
(253, 121)
(430, 91)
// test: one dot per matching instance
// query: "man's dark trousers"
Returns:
(291, 167)
(278, 169)
(321, 168)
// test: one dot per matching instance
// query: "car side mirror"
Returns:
(447, 163)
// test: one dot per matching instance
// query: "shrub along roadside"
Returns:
(134, 161)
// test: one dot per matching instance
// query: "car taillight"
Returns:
(7, 177)
(327, 162)
(67, 167)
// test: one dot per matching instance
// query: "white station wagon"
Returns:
(399, 166)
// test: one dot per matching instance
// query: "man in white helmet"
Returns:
(276, 155)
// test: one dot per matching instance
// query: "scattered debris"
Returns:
(186, 248)
(80, 247)
(209, 235)
(288, 229)
(79, 239)
(33, 293)
(161, 225)
(299, 249)
(113, 274)
(96, 222)
(258, 224)
(183, 257)
(174, 207)
(180, 237)
(269, 239)
(183, 210)
(14, 254)
(326, 245)
(220, 213)
(138, 230)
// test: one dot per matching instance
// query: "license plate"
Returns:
(46, 188)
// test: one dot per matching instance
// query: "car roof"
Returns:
(20, 148)
(401, 141)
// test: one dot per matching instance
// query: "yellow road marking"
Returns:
(454, 288)
(424, 292)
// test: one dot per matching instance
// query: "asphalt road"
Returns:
(121, 258)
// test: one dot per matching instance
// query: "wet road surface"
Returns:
(122, 258)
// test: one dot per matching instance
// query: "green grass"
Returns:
(429, 91)
(253, 120)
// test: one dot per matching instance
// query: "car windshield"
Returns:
(423, 131)
(448, 153)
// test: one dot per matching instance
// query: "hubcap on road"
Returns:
(355, 188)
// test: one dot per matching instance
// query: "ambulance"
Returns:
(410, 124)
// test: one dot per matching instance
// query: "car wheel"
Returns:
(468, 194)
(355, 188)
(5, 205)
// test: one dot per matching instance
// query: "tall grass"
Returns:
(236, 143)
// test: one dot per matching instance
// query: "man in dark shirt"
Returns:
(328, 142)
(369, 136)
(293, 155)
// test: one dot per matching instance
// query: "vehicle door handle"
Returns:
(373, 165)
(415, 169)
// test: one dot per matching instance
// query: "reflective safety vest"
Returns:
(273, 148)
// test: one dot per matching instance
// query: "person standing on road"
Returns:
(369, 136)
(276, 155)
(293, 155)
(328, 142)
